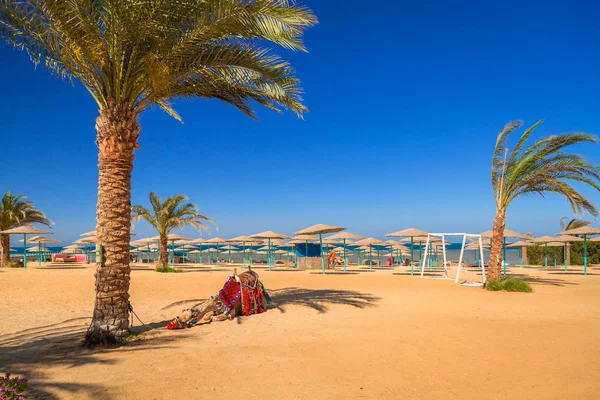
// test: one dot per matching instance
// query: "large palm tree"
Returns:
(541, 168)
(133, 54)
(168, 215)
(15, 211)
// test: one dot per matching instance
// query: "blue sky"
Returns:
(405, 99)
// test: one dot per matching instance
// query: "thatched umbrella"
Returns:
(545, 240)
(507, 234)
(345, 236)
(584, 231)
(566, 239)
(25, 230)
(320, 229)
(270, 236)
(520, 245)
(370, 242)
(172, 237)
(243, 240)
(42, 240)
(409, 233)
(216, 242)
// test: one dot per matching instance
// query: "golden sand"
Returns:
(369, 335)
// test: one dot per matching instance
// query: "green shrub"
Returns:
(166, 269)
(13, 264)
(509, 285)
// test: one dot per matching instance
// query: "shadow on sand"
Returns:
(60, 345)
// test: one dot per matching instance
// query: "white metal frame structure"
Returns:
(462, 251)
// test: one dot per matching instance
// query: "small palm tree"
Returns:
(572, 224)
(15, 211)
(131, 55)
(168, 215)
(541, 168)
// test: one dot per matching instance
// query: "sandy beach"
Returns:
(366, 335)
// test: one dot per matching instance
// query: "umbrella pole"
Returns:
(345, 257)
(412, 263)
(229, 260)
(269, 255)
(370, 257)
(322, 258)
(521, 256)
(504, 257)
(200, 253)
(585, 254)
(554, 247)
(244, 251)
(565, 255)
(217, 254)
(545, 255)
(250, 250)
(24, 251)
(39, 254)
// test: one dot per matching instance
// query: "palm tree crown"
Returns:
(170, 214)
(572, 224)
(542, 168)
(145, 52)
(15, 211)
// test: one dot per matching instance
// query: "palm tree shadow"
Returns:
(319, 299)
(28, 352)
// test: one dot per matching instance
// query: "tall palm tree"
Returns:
(168, 215)
(15, 211)
(133, 54)
(541, 168)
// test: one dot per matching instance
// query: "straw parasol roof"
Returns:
(305, 237)
(370, 242)
(583, 230)
(197, 241)
(568, 238)
(345, 235)
(41, 239)
(507, 233)
(320, 229)
(521, 243)
(555, 244)
(26, 230)
(195, 252)
(269, 235)
(86, 240)
(216, 240)
(544, 239)
(300, 241)
(174, 236)
(92, 233)
(597, 239)
(410, 232)
(244, 239)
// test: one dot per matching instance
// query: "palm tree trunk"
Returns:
(118, 132)
(164, 251)
(495, 264)
(5, 243)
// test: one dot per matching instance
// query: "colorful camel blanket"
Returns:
(243, 293)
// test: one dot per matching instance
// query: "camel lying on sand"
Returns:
(242, 294)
